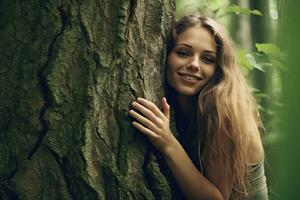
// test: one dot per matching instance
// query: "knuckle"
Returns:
(150, 123)
(152, 105)
(147, 123)
(153, 116)
(160, 122)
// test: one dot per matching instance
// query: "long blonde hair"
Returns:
(228, 114)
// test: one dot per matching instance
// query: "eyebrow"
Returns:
(185, 44)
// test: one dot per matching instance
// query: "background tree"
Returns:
(240, 27)
(260, 28)
(69, 70)
(288, 156)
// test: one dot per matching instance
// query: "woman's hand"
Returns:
(155, 125)
(153, 122)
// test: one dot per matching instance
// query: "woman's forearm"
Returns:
(154, 123)
(192, 183)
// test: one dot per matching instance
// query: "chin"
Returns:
(187, 92)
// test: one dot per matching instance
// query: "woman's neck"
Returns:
(188, 104)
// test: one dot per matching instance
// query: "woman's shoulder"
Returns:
(256, 150)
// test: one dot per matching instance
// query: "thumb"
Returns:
(165, 107)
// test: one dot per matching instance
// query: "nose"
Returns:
(194, 64)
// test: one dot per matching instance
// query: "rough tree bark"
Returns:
(69, 70)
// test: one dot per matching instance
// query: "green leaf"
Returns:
(247, 62)
(253, 62)
(256, 12)
(244, 62)
(268, 48)
(274, 55)
(240, 10)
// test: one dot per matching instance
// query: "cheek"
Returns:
(212, 73)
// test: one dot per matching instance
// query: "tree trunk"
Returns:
(260, 27)
(69, 71)
(240, 28)
(282, 18)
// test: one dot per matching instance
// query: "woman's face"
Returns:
(192, 62)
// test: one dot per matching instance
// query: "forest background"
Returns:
(70, 69)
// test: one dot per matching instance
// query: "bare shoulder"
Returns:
(256, 150)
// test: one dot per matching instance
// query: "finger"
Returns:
(145, 111)
(151, 106)
(165, 107)
(143, 129)
(143, 120)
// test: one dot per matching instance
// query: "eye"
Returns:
(208, 59)
(183, 53)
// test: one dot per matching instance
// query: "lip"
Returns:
(186, 74)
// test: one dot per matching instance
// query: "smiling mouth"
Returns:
(189, 76)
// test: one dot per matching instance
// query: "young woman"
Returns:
(219, 153)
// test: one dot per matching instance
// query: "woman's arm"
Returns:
(155, 125)
(191, 181)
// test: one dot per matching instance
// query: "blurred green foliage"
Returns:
(240, 10)
(288, 183)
